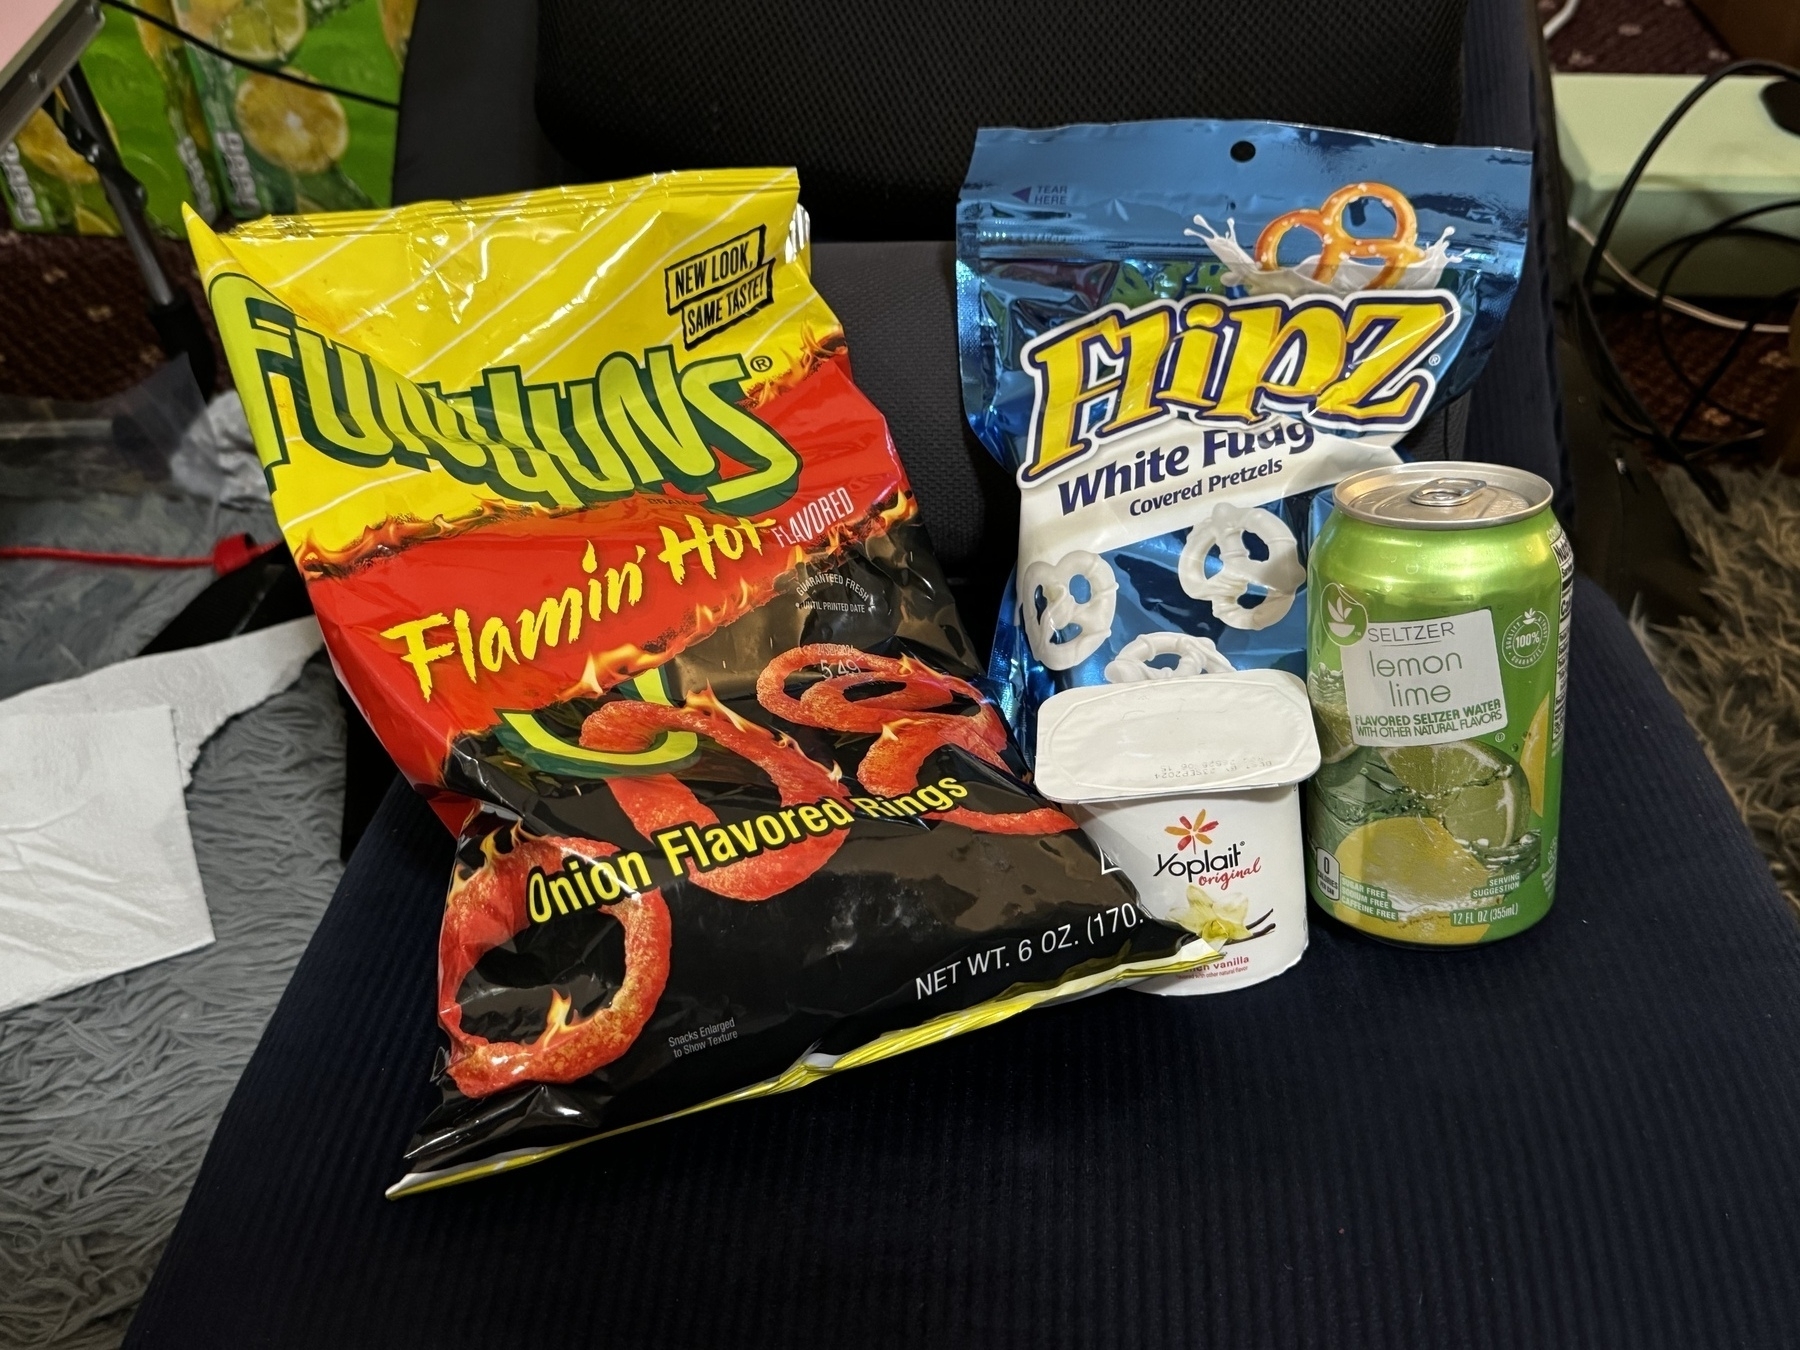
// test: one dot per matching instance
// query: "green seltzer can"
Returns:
(1438, 601)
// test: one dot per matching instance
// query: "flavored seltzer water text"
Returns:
(1437, 661)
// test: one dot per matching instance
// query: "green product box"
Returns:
(282, 147)
(142, 82)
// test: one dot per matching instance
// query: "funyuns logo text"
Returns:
(634, 426)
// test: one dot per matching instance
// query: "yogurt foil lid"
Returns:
(1233, 731)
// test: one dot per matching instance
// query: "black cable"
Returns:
(1603, 236)
(1686, 245)
(273, 72)
(1599, 352)
(1774, 303)
(1730, 228)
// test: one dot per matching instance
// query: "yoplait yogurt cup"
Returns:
(1190, 786)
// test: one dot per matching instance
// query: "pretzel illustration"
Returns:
(1398, 251)
(1273, 580)
(1066, 631)
(1195, 656)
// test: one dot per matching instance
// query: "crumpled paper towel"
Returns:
(205, 686)
(97, 871)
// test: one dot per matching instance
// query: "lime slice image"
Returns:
(1472, 789)
(1331, 714)
(1489, 816)
(1333, 725)
(1435, 770)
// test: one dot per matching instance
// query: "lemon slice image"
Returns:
(262, 30)
(301, 130)
(1419, 865)
(1532, 754)
(1414, 859)
(41, 141)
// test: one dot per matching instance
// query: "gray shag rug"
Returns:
(1740, 683)
(109, 1094)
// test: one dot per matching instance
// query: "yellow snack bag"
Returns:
(625, 572)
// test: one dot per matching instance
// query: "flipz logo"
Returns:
(1355, 364)
(719, 286)
(638, 424)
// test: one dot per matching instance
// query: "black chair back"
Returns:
(878, 103)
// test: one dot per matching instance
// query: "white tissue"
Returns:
(97, 870)
(204, 685)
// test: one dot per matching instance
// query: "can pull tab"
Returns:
(1445, 493)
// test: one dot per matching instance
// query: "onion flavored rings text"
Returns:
(1397, 252)
(907, 731)
(660, 802)
(489, 907)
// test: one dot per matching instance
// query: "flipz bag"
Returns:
(625, 573)
(1176, 334)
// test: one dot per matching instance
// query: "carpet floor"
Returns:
(109, 1094)
(1739, 683)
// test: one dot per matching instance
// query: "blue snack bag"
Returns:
(1176, 334)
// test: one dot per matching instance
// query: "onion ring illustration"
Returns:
(1047, 628)
(488, 907)
(907, 730)
(1276, 578)
(658, 802)
(1197, 656)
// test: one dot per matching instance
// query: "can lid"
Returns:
(1442, 496)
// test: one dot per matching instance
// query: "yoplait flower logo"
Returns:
(1192, 833)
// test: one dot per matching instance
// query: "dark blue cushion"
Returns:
(1588, 1135)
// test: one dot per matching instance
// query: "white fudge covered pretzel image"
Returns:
(1195, 656)
(1276, 578)
(1049, 609)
